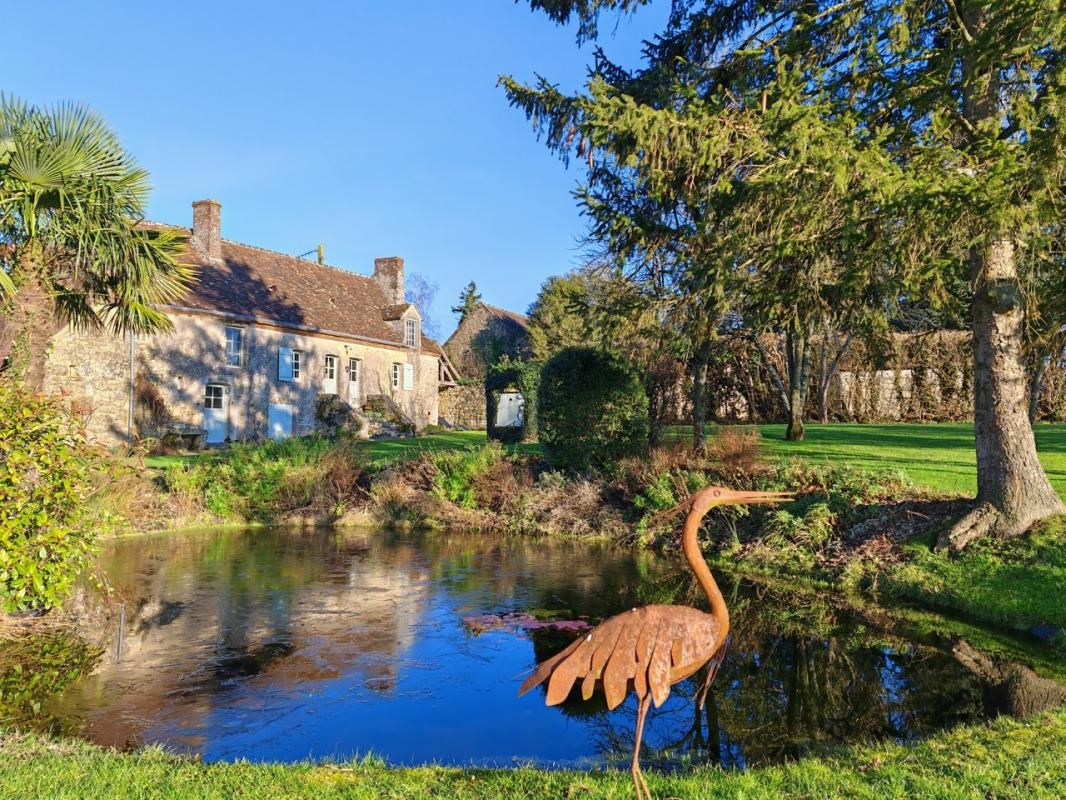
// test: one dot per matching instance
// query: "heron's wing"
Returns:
(583, 658)
(622, 667)
(544, 669)
(639, 646)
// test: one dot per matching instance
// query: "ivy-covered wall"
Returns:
(510, 375)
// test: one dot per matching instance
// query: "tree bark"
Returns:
(829, 368)
(1036, 383)
(797, 346)
(699, 397)
(1013, 490)
(27, 328)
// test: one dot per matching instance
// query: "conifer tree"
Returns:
(940, 128)
(469, 300)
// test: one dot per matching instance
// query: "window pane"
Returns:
(296, 356)
(233, 346)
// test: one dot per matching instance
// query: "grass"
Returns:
(938, 456)
(377, 451)
(1009, 583)
(1004, 759)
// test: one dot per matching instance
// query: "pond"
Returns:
(283, 645)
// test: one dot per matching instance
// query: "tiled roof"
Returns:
(503, 313)
(395, 311)
(251, 282)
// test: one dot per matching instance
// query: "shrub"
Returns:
(457, 470)
(49, 480)
(593, 409)
(268, 481)
(738, 452)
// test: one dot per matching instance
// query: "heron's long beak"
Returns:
(760, 498)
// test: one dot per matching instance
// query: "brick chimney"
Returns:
(388, 272)
(207, 228)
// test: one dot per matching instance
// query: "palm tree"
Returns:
(73, 245)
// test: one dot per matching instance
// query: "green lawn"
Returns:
(378, 451)
(1005, 759)
(938, 456)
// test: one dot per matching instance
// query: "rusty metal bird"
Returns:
(650, 649)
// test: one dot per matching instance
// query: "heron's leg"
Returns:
(710, 674)
(639, 784)
(701, 695)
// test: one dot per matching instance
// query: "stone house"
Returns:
(258, 338)
(484, 335)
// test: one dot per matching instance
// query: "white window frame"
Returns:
(297, 358)
(227, 353)
(396, 373)
(211, 397)
(410, 332)
(329, 374)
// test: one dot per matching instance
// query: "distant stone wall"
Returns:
(464, 405)
(92, 369)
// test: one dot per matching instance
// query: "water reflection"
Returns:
(279, 645)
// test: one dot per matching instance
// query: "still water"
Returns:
(282, 645)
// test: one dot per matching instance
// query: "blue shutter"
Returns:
(285, 364)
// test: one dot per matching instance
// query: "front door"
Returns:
(354, 392)
(216, 401)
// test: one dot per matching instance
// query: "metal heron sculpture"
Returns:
(650, 649)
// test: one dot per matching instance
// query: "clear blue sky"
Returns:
(375, 128)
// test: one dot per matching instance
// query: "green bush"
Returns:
(49, 520)
(593, 409)
(457, 470)
(264, 482)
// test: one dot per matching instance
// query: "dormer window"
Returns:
(410, 332)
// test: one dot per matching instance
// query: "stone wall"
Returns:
(173, 369)
(180, 364)
(464, 405)
(92, 369)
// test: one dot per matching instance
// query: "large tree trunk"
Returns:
(699, 397)
(26, 330)
(1013, 491)
(797, 346)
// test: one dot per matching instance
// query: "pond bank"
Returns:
(1004, 759)
(850, 529)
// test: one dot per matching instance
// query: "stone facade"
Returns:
(92, 370)
(173, 370)
(283, 309)
(182, 363)
(485, 335)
